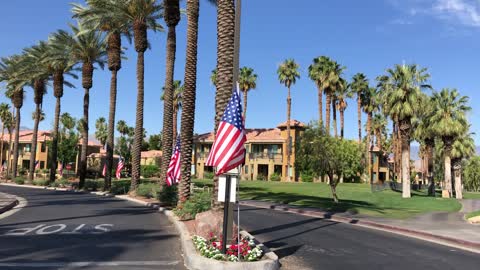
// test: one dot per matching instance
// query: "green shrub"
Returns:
(148, 171)
(40, 182)
(54, 184)
(261, 177)
(150, 190)
(63, 182)
(169, 195)
(208, 175)
(306, 176)
(19, 181)
(275, 177)
(22, 171)
(199, 202)
(94, 184)
(120, 186)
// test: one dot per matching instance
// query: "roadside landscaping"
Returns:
(354, 198)
(473, 214)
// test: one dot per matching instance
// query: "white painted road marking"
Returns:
(44, 229)
(91, 264)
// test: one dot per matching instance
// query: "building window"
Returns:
(43, 147)
(27, 148)
(246, 169)
(42, 164)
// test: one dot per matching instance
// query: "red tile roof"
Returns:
(293, 123)
(253, 135)
(151, 154)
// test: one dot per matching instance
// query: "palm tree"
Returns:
(378, 125)
(106, 16)
(177, 105)
(188, 100)
(171, 17)
(213, 77)
(341, 103)
(463, 147)
(358, 86)
(59, 58)
(88, 48)
(288, 75)
(319, 72)
(335, 71)
(16, 96)
(404, 84)
(449, 122)
(9, 125)
(41, 115)
(36, 72)
(369, 105)
(247, 80)
(101, 132)
(122, 127)
(4, 117)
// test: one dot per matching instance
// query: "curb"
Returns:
(9, 206)
(35, 187)
(443, 240)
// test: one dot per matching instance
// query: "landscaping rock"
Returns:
(209, 222)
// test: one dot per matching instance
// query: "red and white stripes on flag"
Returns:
(37, 165)
(104, 171)
(120, 165)
(174, 167)
(228, 150)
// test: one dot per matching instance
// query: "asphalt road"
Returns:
(312, 243)
(65, 230)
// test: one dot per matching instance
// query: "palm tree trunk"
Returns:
(15, 145)
(137, 140)
(110, 130)
(1, 145)
(334, 113)
(327, 116)
(9, 153)
(320, 106)
(83, 153)
(447, 187)
(225, 53)
(289, 139)
(342, 122)
(368, 154)
(457, 171)
(33, 153)
(189, 94)
(245, 96)
(167, 134)
(404, 128)
(53, 159)
(359, 114)
(174, 126)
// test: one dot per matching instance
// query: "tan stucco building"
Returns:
(266, 152)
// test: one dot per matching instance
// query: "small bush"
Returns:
(148, 190)
(94, 184)
(208, 175)
(54, 184)
(148, 171)
(169, 195)
(199, 202)
(261, 177)
(63, 182)
(306, 176)
(22, 171)
(275, 177)
(40, 182)
(19, 181)
(120, 186)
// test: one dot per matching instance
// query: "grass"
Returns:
(354, 198)
(471, 195)
(472, 214)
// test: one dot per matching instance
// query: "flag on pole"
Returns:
(4, 166)
(104, 171)
(120, 166)
(37, 165)
(174, 167)
(228, 150)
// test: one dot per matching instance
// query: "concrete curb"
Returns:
(36, 187)
(439, 239)
(9, 206)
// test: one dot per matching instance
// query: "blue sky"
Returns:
(364, 36)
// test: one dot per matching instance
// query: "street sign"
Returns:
(222, 183)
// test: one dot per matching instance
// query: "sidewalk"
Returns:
(7, 202)
(445, 228)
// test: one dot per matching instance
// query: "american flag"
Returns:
(37, 165)
(104, 171)
(228, 150)
(120, 166)
(173, 172)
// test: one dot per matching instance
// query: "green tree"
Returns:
(5, 116)
(9, 123)
(341, 104)
(471, 174)
(359, 86)
(449, 122)
(369, 105)
(379, 124)
(247, 80)
(213, 77)
(155, 142)
(319, 72)
(403, 85)
(287, 75)
(68, 139)
(101, 132)
(463, 148)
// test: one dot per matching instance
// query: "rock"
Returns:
(207, 222)
(474, 220)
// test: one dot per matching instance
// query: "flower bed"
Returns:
(211, 248)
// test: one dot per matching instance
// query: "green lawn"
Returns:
(471, 195)
(473, 214)
(355, 198)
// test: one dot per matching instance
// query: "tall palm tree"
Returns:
(101, 130)
(17, 96)
(9, 125)
(247, 80)
(122, 127)
(36, 72)
(188, 100)
(287, 75)
(88, 48)
(59, 58)
(404, 84)
(462, 148)
(378, 126)
(171, 17)
(358, 86)
(107, 16)
(449, 122)
(319, 72)
(177, 105)
(369, 105)
(4, 117)
(341, 103)
(335, 72)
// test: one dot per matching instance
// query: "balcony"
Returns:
(202, 155)
(278, 157)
